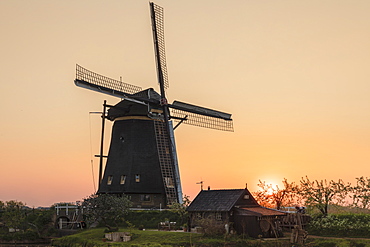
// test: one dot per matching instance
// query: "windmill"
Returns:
(142, 160)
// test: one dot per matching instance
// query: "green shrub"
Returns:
(150, 219)
(26, 235)
(341, 225)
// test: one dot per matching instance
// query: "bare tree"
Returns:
(274, 197)
(319, 194)
(361, 193)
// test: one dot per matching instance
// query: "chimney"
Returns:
(209, 187)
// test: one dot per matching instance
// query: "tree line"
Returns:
(19, 222)
(317, 194)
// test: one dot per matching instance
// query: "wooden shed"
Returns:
(237, 211)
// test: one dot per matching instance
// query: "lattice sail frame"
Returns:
(91, 80)
(97, 80)
(166, 162)
(202, 121)
(160, 44)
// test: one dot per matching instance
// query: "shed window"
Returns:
(110, 179)
(218, 216)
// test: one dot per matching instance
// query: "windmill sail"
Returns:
(93, 81)
(167, 159)
(201, 116)
(176, 165)
(158, 38)
(166, 163)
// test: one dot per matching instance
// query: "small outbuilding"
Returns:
(235, 210)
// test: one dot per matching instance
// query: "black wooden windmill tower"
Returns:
(142, 160)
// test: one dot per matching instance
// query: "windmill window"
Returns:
(123, 179)
(169, 182)
(137, 178)
(110, 179)
(145, 198)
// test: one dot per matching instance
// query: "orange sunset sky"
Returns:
(294, 74)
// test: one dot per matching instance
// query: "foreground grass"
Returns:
(94, 237)
(322, 242)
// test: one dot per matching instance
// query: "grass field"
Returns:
(94, 237)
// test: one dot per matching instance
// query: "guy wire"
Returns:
(91, 159)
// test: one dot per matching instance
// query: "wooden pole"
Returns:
(102, 142)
